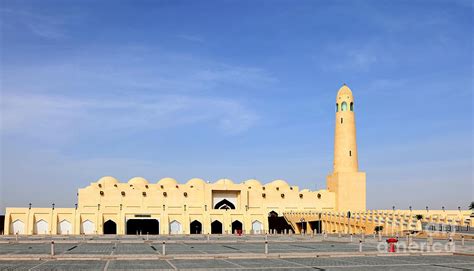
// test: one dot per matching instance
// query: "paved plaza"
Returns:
(323, 263)
(221, 252)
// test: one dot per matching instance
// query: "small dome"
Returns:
(279, 183)
(196, 182)
(224, 181)
(344, 91)
(252, 182)
(138, 181)
(107, 180)
(167, 181)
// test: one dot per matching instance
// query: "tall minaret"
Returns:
(345, 145)
(346, 181)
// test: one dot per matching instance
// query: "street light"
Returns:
(53, 206)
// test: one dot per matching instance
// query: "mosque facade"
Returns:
(138, 206)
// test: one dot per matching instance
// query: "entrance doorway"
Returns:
(195, 227)
(143, 226)
(216, 227)
(316, 226)
(277, 223)
(110, 227)
(236, 227)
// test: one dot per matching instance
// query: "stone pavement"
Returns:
(326, 263)
(223, 252)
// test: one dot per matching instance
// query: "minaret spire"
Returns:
(345, 145)
(346, 181)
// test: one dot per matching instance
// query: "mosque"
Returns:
(138, 206)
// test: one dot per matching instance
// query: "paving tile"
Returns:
(255, 263)
(186, 264)
(139, 265)
(71, 265)
(18, 265)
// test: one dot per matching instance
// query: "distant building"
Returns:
(108, 206)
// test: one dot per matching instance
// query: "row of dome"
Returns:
(108, 180)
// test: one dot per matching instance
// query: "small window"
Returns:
(344, 106)
(352, 106)
(337, 107)
(342, 120)
(350, 153)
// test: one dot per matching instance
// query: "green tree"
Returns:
(471, 206)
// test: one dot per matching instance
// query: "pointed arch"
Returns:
(65, 227)
(216, 227)
(273, 214)
(195, 227)
(110, 227)
(88, 227)
(337, 107)
(41, 227)
(18, 227)
(224, 204)
(352, 106)
(344, 106)
(237, 227)
(175, 227)
(257, 227)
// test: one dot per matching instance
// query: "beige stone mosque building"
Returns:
(138, 206)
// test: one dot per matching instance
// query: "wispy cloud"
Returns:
(49, 27)
(44, 116)
(193, 38)
(341, 57)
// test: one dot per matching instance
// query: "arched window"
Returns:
(344, 106)
(337, 107)
(352, 106)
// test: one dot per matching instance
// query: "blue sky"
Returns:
(235, 89)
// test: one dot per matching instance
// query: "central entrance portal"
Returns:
(143, 226)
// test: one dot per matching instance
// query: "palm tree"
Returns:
(471, 206)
